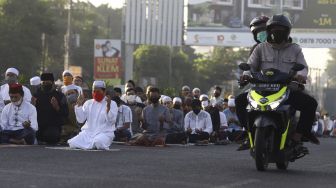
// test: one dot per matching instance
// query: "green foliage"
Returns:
(169, 91)
(220, 66)
(188, 68)
(22, 25)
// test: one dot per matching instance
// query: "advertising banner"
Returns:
(107, 60)
(226, 22)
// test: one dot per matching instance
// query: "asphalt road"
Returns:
(175, 166)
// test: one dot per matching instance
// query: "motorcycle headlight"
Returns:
(253, 103)
(275, 104)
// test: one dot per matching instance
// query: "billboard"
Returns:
(107, 60)
(226, 22)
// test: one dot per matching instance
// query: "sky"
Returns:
(112, 3)
(317, 57)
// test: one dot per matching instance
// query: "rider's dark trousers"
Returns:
(300, 101)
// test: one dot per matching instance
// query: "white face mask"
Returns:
(17, 103)
(205, 104)
(131, 99)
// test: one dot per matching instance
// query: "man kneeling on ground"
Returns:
(197, 123)
(155, 121)
(100, 114)
(18, 118)
(123, 122)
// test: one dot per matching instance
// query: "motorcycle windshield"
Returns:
(269, 81)
(270, 76)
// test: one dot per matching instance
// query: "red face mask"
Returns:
(97, 96)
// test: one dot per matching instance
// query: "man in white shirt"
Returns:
(176, 134)
(196, 92)
(18, 118)
(123, 122)
(2, 104)
(100, 114)
(219, 122)
(35, 84)
(12, 78)
(197, 123)
(216, 96)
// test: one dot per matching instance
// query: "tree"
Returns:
(20, 33)
(22, 27)
(220, 66)
(153, 61)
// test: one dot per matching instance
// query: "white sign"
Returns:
(244, 39)
(236, 39)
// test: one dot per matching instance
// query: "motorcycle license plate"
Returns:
(266, 87)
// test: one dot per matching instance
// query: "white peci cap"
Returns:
(99, 84)
(13, 70)
(35, 81)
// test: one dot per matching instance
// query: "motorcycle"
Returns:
(271, 123)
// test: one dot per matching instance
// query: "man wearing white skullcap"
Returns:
(177, 99)
(68, 80)
(196, 92)
(185, 93)
(205, 101)
(12, 78)
(99, 115)
(231, 116)
(2, 105)
(35, 81)
(70, 127)
(177, 103)
(175, 132)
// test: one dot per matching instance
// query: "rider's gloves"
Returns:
(301, 79)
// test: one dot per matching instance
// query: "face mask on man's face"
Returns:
(205, 104)
(131, 99)
(262, 36)
(72, 98)
(154, 100)
(46, 87)
(196, 111)
(279, 36)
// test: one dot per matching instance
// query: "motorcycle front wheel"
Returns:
(263, 142)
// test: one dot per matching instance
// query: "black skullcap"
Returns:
(47, 77)
(196, 102)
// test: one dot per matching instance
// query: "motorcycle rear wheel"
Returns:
(282, 165)
(262, 136)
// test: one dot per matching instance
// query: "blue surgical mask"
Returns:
(72, 98)
(262, 36)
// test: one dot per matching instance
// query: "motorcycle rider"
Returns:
(258, 29)
(279, 53)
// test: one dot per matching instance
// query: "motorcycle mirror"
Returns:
(298, 67)
(244, 66)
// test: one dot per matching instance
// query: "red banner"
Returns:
(107, 68)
